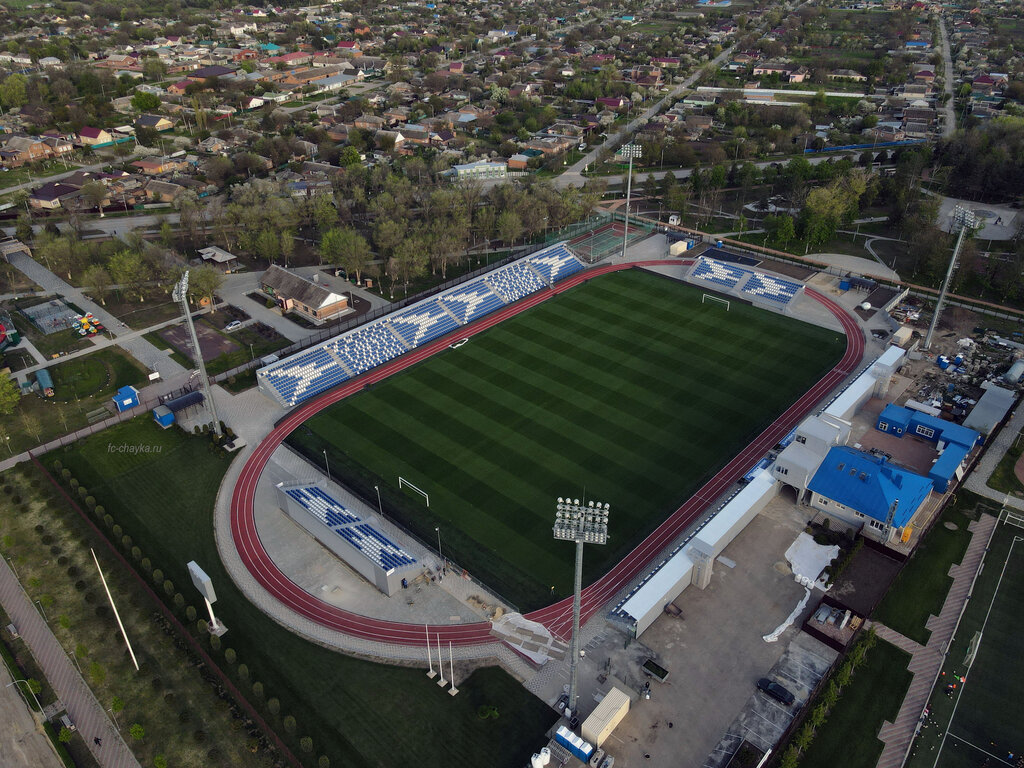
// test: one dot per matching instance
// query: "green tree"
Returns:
(117, 704)
(347, 249)
(268, 245)
(14, 91)
(153, 69)
(97, 280)
(509, 226)
(9, 396)
(138, 733)
(34, 685)
(306, 743)
(204, 282)
(145, 102)
(65, 735)
(23, 228)
(127, 268)
(32, 425)
(388, 233)
(159, 761)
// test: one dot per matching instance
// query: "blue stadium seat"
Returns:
(514, 281)
(422, 323)
(472, 300)
(555, 263)
(772, 288)
(719, 272)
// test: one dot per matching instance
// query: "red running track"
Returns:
(557, 617)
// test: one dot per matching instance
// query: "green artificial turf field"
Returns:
(627, 387)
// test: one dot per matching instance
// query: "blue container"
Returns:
(943, 362)
(844, 285)
(958, 360)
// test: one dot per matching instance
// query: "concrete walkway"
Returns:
(82, 707)
(977, 481)
(927, 660)
(22, 741)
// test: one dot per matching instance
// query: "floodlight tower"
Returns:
(205, 586)
(964, 219)
(630, 151)
(181, 296)
(584, 524)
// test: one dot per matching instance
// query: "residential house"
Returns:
(52, 195)
(219, 259)
(163, 191)
(154, 122)
(94, 137)
(305, 297)
(19, 150)
(850, 75)
(155, 166)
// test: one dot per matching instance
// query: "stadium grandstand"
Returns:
(330, 363)
(356, 541)
(767, 291)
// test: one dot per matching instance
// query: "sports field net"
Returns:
(607, 240)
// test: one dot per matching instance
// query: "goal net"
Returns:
(705, 298)
(403, 483)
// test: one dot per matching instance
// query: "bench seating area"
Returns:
(771, 288)
(376, 547)
(472, 300)
(555, 263)
(719, 273)
(515, 281)
(318, 369)
(312, 372)
(423, 323)
(370, 542)
(367, 347)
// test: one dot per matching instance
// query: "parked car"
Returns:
(234, 325)
(776, 691)
(65, 722)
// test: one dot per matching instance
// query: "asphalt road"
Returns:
(949, 123)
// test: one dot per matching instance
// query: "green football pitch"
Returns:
(626, 389)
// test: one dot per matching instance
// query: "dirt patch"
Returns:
(950, 526)
(212, 343)
(864, 581)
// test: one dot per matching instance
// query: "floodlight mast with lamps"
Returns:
(583, 524)
(181, 295)
(630, 151)
(963, 218)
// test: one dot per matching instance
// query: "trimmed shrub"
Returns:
(190, 613)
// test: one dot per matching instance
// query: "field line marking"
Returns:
(967, 673)
(985, 752)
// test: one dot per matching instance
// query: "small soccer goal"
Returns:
(1011, 517)
(403, 483)
(705, 298)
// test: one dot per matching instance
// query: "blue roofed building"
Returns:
(861, 490)
(953, 442)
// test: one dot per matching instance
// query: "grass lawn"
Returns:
(101, 373)
(626, 390)
(240, 382)
(872, 697)
(139, 315)
(358, 713)
(920, 589)
(81, 385)
(49, 545)
(988, 709)
(34, 172)
(1003, 478)
(51, 344)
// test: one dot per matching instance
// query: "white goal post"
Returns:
(707, 296)
(402, 482)
(1011, 517)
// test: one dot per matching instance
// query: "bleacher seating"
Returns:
(718, 272)
(367, 347)
(422, 323)
(310, 373)
(318, 369)
(515, 281)
(555, 263)
(377, 547)
(471, 300)
(772, 288)
(324, 508)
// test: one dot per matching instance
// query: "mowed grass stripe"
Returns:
(625, 385)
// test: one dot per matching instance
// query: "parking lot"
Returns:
(715, 653)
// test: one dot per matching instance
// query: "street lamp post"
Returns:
(38, 705)
(437, 530)
(630, 151)
(583, 524)
(380, 507)
(327, 465)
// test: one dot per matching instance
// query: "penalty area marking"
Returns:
(707, 296)
(403, 482)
